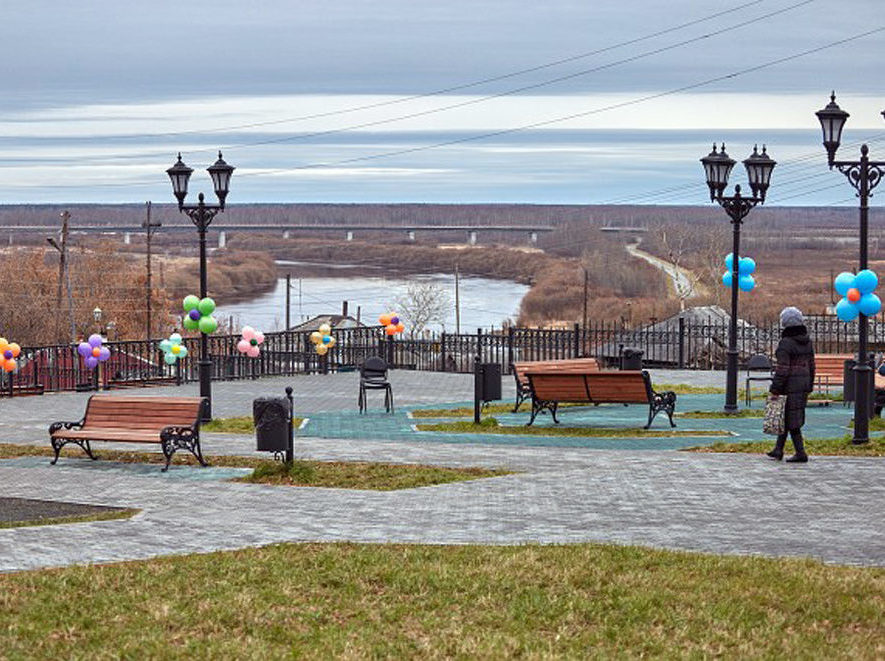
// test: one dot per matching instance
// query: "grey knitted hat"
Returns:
(792, 317)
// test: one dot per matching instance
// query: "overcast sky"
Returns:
(311, 100)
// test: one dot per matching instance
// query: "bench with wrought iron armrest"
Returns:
(172, 422)
(549, 389)
(524, 390)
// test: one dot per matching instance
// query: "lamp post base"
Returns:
(206, 389)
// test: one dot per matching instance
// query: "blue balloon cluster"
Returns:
(857, 295)
(746, 267)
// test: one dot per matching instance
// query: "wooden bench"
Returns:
(524, 391)
(829, 370)
(173, 422)
(549, 389)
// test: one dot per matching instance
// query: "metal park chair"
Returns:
(373, 376)
(759, 364)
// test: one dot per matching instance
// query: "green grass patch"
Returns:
(75, 518)
(330, 474)
(491, 426)
(740, 413)
(431, 602)
(238, 425)
(813, 446)
(686, 389)
(828, 397)
(362, 475)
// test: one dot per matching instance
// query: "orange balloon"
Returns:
(384, 319)
(16, 349)
(4, 345)
(400, 327)
(390, 330)
(96, 351)
(853, 295)
(9, 364)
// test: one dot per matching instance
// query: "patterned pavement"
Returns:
(641, 493)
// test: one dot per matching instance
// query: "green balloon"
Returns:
(190, 302)
(208, 325)
(190, 324)
(170, 359)
(206, 306)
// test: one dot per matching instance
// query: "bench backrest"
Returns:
(831, 363)
(567, 365)
(142, 413)
(624, 387)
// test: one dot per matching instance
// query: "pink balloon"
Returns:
(253, 352)
(248, 332)
(259, 337)
(243, 346)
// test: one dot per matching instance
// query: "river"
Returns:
(484, 302)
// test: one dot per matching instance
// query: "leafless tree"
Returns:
(423, 303)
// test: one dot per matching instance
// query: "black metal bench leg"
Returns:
(56, 447)
(536, 408)
(390, 391)
(168, 451)
(553, 408)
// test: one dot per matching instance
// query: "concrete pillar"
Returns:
(471, 238)
(127, 238)
(222, 239)
(349, 236)
(411, 235)
(533, 237)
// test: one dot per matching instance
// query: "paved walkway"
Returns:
(720, 503)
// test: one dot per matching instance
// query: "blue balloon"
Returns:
(843, 282)
(726, 279)
(746, 282)
(866, 281)
(729, 261)
(746, 265)
(869, 304)
(882, 369)
(846, 310)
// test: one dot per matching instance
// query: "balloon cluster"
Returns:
(173, 349)
(746, 267)
(857, 295)
(322, 339)
(9, 351)
(93, 351)
(199, 314)
(250, 342)
(392, 324)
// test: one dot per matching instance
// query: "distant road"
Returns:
(684, 281)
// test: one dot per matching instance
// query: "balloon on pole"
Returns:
(857, 295)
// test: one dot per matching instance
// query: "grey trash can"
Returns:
(271, 417)
(631, 359)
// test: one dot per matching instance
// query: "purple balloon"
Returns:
(7, 354)
(104, 353)
(394, 320)
(95, 340)
(194, 314)
(91, 362)
(84, 349)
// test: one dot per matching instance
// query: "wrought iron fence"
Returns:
(673, 343)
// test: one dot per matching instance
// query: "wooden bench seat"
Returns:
(829, 370)
(549, 389)
(524, 391)
(173, 422)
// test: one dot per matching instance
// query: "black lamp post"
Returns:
(717, 166)
(863, 175)
(202, 214)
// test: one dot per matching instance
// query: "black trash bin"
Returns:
(631, 359)
(848, 385)
(271, 417)
(491, 382)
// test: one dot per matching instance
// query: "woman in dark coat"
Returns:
(793, 378)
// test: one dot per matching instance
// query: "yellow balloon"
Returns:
(16, 350)
(176, 349)
(322, 349)
(316, 337)
(325, 329)
(4, 345)
(331, 342)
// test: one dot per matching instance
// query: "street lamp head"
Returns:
(759, 168)
(717, 166)
(179, 174)
(221, 173)
(832, 120)
(96, 314)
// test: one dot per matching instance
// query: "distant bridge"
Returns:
(470, 231)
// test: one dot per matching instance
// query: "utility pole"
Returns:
(61, 267)
(457, 303)
(288, 301)
(63, 274)
(149, 229)
(586, 279)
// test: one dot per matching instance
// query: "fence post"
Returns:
(577, 340)
(509, 347)
(681, 342)
(442, 352)
(391, 356)
(479, 344)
